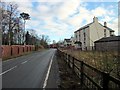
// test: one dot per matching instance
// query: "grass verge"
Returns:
(68, 79)
(105, 61)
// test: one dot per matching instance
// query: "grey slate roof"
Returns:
(107, 27)
(67, 40)
(84, 27)
(90, 24)
(77, 42)
(108, 39)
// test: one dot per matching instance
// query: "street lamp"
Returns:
(24, 16)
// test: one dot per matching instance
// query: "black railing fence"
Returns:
(89, 76)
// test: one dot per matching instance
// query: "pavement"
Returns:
(35, 70)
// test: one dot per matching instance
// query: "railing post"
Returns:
(81, 76)
(63, 54)
(73, 64)
(105, 80)
(66, 57)
(69, 57)
(68, 60)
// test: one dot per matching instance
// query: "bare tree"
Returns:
(44, 41)
(12, 25)
(12, 16)
(9, 23)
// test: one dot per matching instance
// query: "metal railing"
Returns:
(89, 76)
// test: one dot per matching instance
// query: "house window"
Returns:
(104, 32)
(111, 33)
(83, 30)
(79, 36)
(84, 36)
(76, 36)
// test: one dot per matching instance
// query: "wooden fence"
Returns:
(89, 76)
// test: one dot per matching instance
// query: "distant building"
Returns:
(86, 35)
(61, 44)
(108, 44)
(53, 46)
(72, 39)
(67, 42)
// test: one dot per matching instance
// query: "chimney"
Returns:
(105, 24)
(95, 19)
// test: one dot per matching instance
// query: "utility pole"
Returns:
(1, 22)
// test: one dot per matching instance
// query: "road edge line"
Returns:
(48, 72)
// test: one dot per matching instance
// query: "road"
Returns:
(35, 70)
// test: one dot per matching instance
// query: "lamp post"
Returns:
(24, 16)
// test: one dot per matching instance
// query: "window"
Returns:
(84, 36)
(76, 36)
(111, 33)
(79, 36)
(83, 30)
(104, 32)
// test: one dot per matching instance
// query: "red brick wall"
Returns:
(6, 51)
(25, 48)
(28, 48)
(15, 50)
(20, 50)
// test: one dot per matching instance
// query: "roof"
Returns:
(92, 23)
(67, 40)
(107, 27)
(84, 27)
(77, 42)
(108, 39)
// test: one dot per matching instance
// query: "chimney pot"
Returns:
(105, 24)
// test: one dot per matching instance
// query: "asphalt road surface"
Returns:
(35, 70)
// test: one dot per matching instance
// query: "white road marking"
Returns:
(24, 62)
(8, 60)
(8, 70)
(48, 72)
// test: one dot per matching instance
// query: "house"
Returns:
(108, 44)
(72, 39)
(67, 42)
(88, 34)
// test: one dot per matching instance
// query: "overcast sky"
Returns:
(60, 18)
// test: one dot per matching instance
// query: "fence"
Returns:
(90, 77)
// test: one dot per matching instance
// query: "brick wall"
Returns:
(15, 50)
(6, 51)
